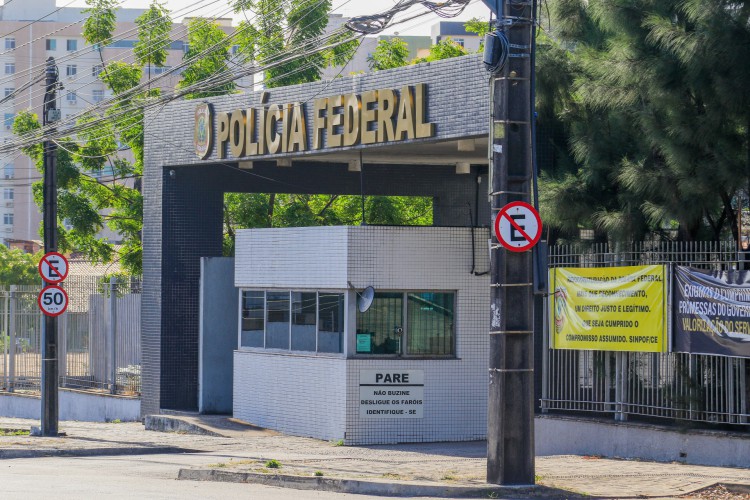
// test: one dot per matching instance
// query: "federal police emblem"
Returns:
(202, 133)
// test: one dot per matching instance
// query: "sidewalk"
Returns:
(240, 453)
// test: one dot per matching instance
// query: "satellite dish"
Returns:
(364, 301)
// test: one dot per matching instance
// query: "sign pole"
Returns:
(50, 409)
(510, 422)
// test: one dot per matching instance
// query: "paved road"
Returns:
(140, 476)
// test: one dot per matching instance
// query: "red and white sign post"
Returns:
(53, 268)
(518, 226)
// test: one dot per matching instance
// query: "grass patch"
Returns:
(14, 432)
(389, 475)
(273, 464)
(340, 442)
(319, 473)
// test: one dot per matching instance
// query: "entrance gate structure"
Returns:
(437, 147)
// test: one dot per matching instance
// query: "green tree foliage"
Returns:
(394, 53)
(389, 53)
(18, 267)
(444, 49)
(283, 28)
(210, 47)
(293, 210)
(656, 115)
(479, 27)
(154, 28)
(97, 186)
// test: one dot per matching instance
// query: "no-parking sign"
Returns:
(518, 226)
(53, 268)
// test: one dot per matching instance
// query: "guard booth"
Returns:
(274, 335)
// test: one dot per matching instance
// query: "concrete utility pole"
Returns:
(510, 423)
(50, 408)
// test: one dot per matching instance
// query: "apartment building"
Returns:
(30, 32)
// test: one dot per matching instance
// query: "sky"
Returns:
(349, 8)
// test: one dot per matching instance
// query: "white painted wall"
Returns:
(319, 396)
(555, 435)
(74, 405)
(295, 394)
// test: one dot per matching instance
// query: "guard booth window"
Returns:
(408, 324)
(293, 320)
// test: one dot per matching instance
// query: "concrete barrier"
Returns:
(556, 435)
(74, 405)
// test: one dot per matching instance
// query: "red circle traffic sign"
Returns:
(52, 300)
(518, 226)
(53, 267)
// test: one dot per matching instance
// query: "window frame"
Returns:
(404, 354)
(11, 66)
(71, 70)
(10, 42)
(50, 43)
(69, 42)
(289, 351)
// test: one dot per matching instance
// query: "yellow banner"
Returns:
(608, 308)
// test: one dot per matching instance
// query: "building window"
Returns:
(10, 68)
(9, 91)
(8, 118)
(97, 95)
(10, 43)
(8, 219)
(408, 324)
(293, 321)
(97, 70)
(8, 193)
(71, 97)
(9, 171)
(71, 70)
(71, 45)
(459, 41)
(50, 44)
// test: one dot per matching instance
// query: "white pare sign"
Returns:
(391, 393)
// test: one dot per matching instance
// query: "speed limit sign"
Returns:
(52, 300)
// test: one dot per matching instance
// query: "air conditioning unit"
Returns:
(9, 229)
(8, 127)
(72, 103)
(8, 203)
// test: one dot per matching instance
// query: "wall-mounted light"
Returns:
(284, 162)
(463, 167)
(355, 165)
(245, 165)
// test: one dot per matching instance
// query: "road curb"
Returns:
(370, 487)
(91, 452)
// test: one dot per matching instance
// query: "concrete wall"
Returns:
(274, 389)
(455, 392)
(296, 394)
(218, 334)
(570, 436)
(74, 405)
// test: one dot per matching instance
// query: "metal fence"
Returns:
(98, 336)
(679, 386)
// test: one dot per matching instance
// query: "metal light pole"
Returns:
(50, 408)
(510, 423)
